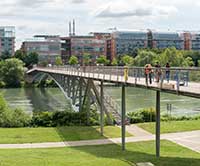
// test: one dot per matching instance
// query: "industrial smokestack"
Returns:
(74, 28)
(70, 28)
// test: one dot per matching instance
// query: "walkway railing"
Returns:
(177, 79)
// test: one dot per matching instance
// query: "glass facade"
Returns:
(87, 45)
(47, 48)
(127, 42)
(196, 42)
(7, 40)
(165, 40)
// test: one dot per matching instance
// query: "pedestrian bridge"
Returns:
(183, 81)
(73, 80)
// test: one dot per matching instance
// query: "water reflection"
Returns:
(51, 99)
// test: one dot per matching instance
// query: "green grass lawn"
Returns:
(103, 155)
(173, 126)
(37, 135)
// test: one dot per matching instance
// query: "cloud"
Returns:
(30, 3)
(108, 13)
(140, 9)
(78, 1)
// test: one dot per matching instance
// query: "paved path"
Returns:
(187, 139)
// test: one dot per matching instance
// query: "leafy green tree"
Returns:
(127, 60)
(114, 62)
(5, 55)
(145, 57)
(103, 60)
(58, 61)
(12, 72)
(188, 62)
(73, 60)
(31, 59)
(86, 59)
(19, 54)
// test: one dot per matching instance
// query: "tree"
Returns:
(188, 62)
(12, 72)
(127, 60)
(145, 57)
(58, 61)
(19, 54)
(103, 60)
(73, 60)
(114, 62)
(31, 59)
(86, 59)
(5, 55)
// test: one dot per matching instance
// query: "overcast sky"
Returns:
(31, 17)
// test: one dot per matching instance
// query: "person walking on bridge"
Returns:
(148, 73)
(167, 72)
(158, 72)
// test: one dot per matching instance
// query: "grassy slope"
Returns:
(173, 126)
(107, 155)
(33, 135)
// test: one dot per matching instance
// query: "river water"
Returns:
(51, 99)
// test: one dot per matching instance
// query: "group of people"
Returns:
(158, 72)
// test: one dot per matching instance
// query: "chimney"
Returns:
(74, 28)
(70, 28)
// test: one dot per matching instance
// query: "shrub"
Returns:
(145, 115)
(19, 118)
(42, 119)
(64, 118)
(12, 118)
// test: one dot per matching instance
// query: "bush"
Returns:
(12, 118)
(149, 115)
(64, 118)
(19, 118)
(145, 115)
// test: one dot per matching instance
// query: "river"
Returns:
(51, 99)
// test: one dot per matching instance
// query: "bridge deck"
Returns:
(191, 90)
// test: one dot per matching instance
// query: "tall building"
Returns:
(48, 47)
(162, 40)
(90, 45)
(126, 42)
(7, 40)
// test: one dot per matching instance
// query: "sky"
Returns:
(32, 17)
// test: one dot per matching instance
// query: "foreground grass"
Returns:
(172, 126)
(37, 135)
(103, 155)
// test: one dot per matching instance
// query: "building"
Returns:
(90, 45)
(162, 40)
(48, 47)
(7, 40)
(126, 42)
(65, 49)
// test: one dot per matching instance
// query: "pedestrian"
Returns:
(158, 72)
(148, 73)
(167, 71)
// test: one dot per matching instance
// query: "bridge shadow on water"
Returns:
(171, 154)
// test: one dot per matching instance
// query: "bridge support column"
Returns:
(80, 94)
(157, 123)
(102, 109)
(123, 125)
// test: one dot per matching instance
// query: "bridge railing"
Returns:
(174, 78)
